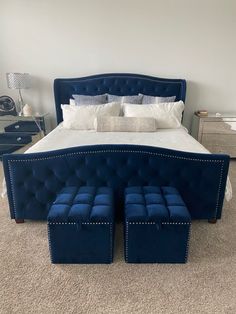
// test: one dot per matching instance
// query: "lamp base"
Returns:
(21, 104)
(20, 113)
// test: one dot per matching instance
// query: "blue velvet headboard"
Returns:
(116, 84)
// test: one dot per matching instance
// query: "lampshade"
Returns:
(18, 80)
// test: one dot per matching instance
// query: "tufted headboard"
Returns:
(117, 84)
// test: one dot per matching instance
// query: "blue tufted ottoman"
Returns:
(157, 225)
(81, 225)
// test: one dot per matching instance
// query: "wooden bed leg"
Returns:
(212, 221)
(19, 221)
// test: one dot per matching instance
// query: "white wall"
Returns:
(191, 39)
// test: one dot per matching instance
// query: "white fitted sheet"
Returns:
(177, 139)
(60, 138)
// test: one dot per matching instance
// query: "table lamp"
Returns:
(19, 81)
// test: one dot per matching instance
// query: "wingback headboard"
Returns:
(116, 84)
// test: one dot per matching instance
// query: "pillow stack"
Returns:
(133, 99)
(141, 113)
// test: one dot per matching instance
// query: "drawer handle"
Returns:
(19, 139)
(17, 126)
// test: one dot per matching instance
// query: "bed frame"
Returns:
(33, 180)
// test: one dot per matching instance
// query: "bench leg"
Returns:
(212, 221)
(19, 221)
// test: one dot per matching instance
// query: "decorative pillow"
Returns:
(82, 117)
(72, 102)
(156, 99)
(135, 99)
(124, 124)
(90, 100)
(167, 115)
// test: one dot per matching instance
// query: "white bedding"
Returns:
(60, 138)
(177, 139)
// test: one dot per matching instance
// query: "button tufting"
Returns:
(129, 167)
(84, 203)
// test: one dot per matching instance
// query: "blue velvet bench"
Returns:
(81, 225)
(157, 225)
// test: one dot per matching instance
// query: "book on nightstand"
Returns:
(202, 113)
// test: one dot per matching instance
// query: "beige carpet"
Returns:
(29, 283)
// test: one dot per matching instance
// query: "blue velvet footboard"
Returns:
(33, 180)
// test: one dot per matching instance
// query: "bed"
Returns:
(66, 157)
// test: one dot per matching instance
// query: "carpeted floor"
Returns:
(29, 283)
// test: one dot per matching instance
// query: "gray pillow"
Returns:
(135, 99)
(156, 99)
(90, 100)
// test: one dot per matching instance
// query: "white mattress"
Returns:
(59, 138)
(177, 139)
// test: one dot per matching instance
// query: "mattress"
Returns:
(177, 139)
(59, 138)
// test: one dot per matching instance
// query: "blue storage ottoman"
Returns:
(157, 225)
(81, 225)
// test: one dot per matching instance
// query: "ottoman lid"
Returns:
(156, 204)
(82, 204)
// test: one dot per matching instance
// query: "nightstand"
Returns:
(18, 133)
(216, 133)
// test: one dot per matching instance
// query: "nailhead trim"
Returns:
(153, 223)
(127, 223)
(83, 223)
(49, 244)
(12, 190)
(127, 242)
(187, 245)
(114, 151)
(118, 151)
(111, 242)
(218, 193)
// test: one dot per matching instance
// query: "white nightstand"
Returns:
(216, 133)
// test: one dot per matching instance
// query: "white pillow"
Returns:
(124, 124)
(167, 115)
(82, 117)
(72, 102)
